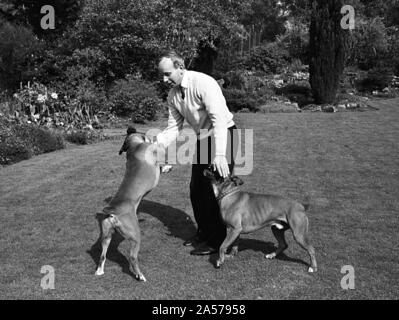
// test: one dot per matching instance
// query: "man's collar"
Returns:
(184, 81)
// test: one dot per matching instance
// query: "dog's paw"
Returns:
(270, 256)
(312, 270)
(99, 272)
(140, 277)
(166, 168)
(218, 264)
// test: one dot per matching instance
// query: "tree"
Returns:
(328, 43)
(133, 33)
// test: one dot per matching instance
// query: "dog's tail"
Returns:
(306, 203)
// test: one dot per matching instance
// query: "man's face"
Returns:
(170, 73)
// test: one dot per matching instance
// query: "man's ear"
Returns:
(237, 181)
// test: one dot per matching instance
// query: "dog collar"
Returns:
(227, 193)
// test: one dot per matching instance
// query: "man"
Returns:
(198, 99)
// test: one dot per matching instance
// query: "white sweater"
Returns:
(203, 107)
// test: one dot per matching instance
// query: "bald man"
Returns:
(198, 99)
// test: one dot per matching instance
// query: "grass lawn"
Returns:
(348, 163)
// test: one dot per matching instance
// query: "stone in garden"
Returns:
(277, 107)
(311, 108)
(328, 108)
(341, 107)
(352, 105)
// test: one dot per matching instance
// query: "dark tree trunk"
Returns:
(206, 58)
(328, 43)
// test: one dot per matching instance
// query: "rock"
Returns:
(385, 90)
(352, 105)
(278, 107)
(244, 110)
(328, 108)
(311, 108)
(341, 107)
(375, 93)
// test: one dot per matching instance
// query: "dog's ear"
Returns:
(130, 130)
(237, 181)
(124, 146)
(207, 173)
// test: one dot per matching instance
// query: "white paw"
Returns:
(218, 264)
(166, 168)
(99, 272)
(311, 270)
(270, 256)
(141, 277)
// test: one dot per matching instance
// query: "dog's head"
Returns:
(221, 184)
(133, 138)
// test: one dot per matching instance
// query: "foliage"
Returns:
(43, 106)
(17, 47)
(296, 40)
(239, 99)
(83, 137)
(368, 43)
(269, 58)
(375, 79)
(22, 141)
(135, 98)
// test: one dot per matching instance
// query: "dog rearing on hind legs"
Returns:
(141, 176)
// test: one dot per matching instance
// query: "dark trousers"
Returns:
(206, 209)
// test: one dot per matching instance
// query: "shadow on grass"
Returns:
(175, 220)
(263, 247)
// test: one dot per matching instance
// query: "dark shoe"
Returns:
(203, 250)
(192, 241)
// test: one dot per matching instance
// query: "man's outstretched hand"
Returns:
(220, 164)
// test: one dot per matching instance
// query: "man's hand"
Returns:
(221, 165)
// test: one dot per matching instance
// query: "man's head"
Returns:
(171, 66)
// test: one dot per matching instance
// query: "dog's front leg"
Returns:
(232, 234)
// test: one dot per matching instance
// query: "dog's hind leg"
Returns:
(130, 230)
(107, 230)
(133, 258)
(299, 224)
(282, 244)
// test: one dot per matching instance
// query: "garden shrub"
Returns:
(18, 48)
(21, 141)
(135, 98)
(375, 79)
(83, 137)
(237, 99)
(269, 58)
(296, 40)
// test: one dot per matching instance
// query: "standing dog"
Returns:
(141, 176)
(244, 212)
